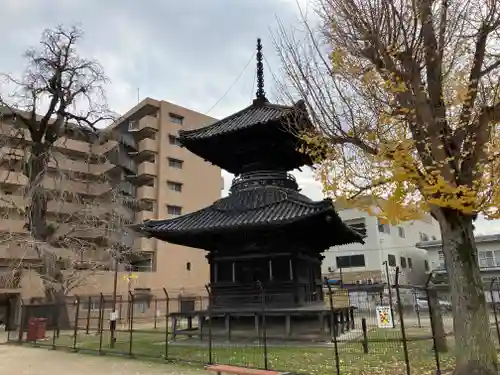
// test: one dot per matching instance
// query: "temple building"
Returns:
(265, 233)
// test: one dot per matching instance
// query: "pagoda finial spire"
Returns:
(261, 94)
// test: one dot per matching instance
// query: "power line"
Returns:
(232, 85)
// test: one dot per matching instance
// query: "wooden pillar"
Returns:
(201, 319)
(228, 326)
(233, 265)
(257, 328)
(174, 327)
(288, 325)
(322, 324)
(295, 279)
(351, 312)
(270, 270)
(216, 272)
(341, 323)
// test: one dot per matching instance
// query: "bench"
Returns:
(236, 370)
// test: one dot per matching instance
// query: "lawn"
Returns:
(386, 354)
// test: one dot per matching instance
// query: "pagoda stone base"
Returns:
(311, 323)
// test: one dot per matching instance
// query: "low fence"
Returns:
(403, 334)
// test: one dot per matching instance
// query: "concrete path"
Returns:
(40, 361)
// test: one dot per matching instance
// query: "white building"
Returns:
(488, 252)
(395, 244)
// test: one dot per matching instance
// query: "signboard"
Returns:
(384, 317)
(113, 316)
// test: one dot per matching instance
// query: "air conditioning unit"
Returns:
(133, 126)
(369, 281)
(330, 269)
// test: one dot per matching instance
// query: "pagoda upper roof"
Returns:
(262, 208)
(259, 112)
(265, 135)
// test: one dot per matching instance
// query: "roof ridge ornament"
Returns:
(260, 94)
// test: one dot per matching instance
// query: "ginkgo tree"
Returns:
(405, 99)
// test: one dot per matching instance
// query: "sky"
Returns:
(188, 52)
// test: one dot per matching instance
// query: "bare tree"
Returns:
(60, 92)
(405, 99)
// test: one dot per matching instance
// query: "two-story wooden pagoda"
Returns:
(265, 230)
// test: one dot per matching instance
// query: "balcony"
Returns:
(145, 244)
(127, 189)
(148, 148)
(145, 127)
(145, 174)
(121, 159)
(15, 178)
(146, 193)
(128, 140)
(10, 279)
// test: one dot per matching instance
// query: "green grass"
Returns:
(386, 354)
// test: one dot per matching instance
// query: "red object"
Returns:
(36, 329)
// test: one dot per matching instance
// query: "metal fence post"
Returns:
(433, 327)
(167, 313)
(131, 326)
(402, 322)
(87, 325)
(334, 328)
(77, 317)
(264, 328)
(156, 312)
(101, 320)
(493, 281)
(209, 291)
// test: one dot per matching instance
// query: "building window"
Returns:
(401, 232)
(173, 140)
(188, 266)
(350, 261)
(434, 238)
(174, 210)
(410, 263)
(423, 237)
(358, 225)
(175, 186)
(391, 260)
(402, 261)
(176, 119)
(175, 163)
(383, 226)
(489, 259)
(426, 265)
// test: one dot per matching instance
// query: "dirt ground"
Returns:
(40, 361)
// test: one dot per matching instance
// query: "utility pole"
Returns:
(388, 280)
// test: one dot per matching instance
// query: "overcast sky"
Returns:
(189, 52)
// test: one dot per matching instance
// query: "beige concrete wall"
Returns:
(201, 185)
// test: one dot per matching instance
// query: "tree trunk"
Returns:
(438, 330)
(474, 347)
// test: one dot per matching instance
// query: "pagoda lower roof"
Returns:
(260, 209)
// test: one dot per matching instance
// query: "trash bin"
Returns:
(36, 329)
(41, 328)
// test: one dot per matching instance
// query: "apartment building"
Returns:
(394, 244)
(488, 252)
(133, 171)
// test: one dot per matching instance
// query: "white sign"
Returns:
(384, 317)
(113, 316)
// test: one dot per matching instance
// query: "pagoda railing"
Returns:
(263, 178)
